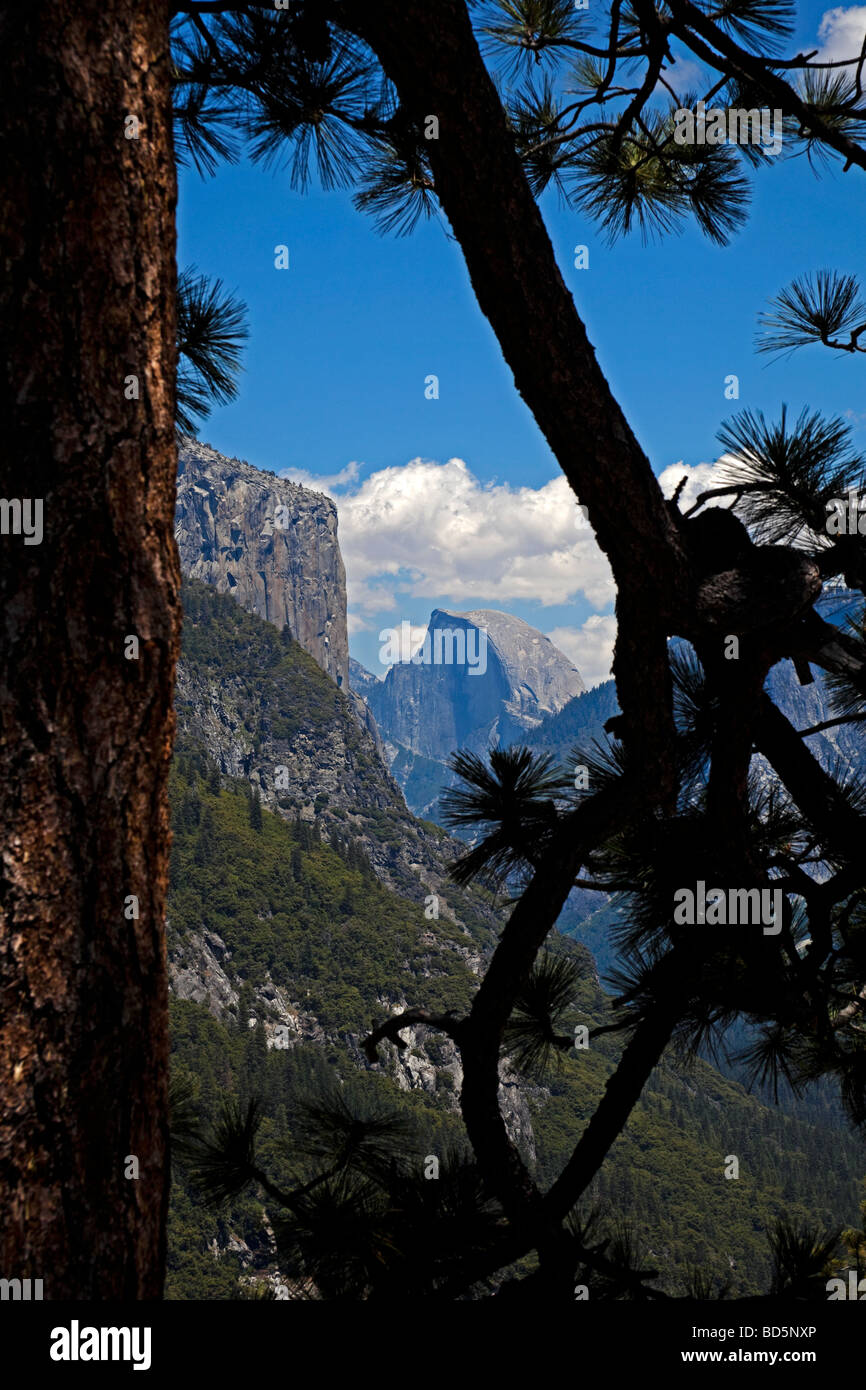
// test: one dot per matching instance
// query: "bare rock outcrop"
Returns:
(269, 543)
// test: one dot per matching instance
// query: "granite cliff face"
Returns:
(269, 543)
(483, 678)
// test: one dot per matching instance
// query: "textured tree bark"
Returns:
(86, 727)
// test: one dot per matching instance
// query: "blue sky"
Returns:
(341, 344)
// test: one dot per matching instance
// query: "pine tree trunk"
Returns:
(86, 723)
(430, 53)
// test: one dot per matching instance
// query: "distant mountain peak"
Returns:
(538, 667)
(493, 689)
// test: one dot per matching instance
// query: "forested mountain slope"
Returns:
(285, 949)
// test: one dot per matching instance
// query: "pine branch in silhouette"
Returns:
(211, 329)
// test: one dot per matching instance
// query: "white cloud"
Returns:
(429, 529)
(328, 483)
(841, 34)
(702, 477)
(590, 647)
